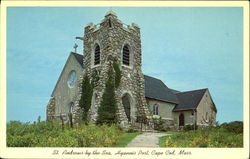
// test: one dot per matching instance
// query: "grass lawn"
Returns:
(126, 138)
(162, 141)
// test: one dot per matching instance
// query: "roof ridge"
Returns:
(152, 77)
(76, 53)
(192, 90)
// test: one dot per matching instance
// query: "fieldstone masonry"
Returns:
(50, 109)
(111, 35)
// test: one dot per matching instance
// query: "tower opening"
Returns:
(110, 24)
(97, 55)
(125, 55)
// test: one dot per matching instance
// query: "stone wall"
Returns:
(50, 112)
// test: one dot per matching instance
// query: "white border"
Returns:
(196, 152)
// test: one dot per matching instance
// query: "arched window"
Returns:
(97, 55)
(125, 55)
(155, 110)
(71, 107)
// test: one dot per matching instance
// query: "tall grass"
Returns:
(48, 134)
(226, 135)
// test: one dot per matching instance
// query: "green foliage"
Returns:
(85, 101)
(48, 134)
(108, 107)
(118, 74)
(95, 78)
(207, 137)
(162, 141)
(234, 127)
(159, 125)
(189, 127)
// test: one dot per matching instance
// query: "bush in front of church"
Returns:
(107, 112)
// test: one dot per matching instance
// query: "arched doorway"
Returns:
(127, 105)
(181, 120)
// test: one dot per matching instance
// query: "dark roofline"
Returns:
(193, 90)
(160, 100)
(152, 77)
(174, 91)
(179, 110)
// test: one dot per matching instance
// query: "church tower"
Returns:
(109, 41)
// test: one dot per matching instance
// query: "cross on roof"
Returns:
(75, 47)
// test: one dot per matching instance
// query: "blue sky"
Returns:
(187, 48)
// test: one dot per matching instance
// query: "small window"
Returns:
(206, 115)
(97, 55)
(72, 79)
(125, 55)
(110, 23)
(71, 107)
(155, 109)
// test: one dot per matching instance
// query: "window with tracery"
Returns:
(155, 109)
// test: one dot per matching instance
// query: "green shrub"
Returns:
(188, 127)
(159, 124)
(85, 101)
(107, 112)
(234, 127)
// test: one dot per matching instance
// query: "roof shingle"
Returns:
(156, 89)
(189, 100)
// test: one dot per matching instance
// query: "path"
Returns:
(147, 139)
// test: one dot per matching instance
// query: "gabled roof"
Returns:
(174, 91)
(189, 100)
(156, 89)
(79, 58)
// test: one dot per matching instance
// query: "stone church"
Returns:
(138, 96)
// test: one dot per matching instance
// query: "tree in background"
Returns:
(85, 101)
